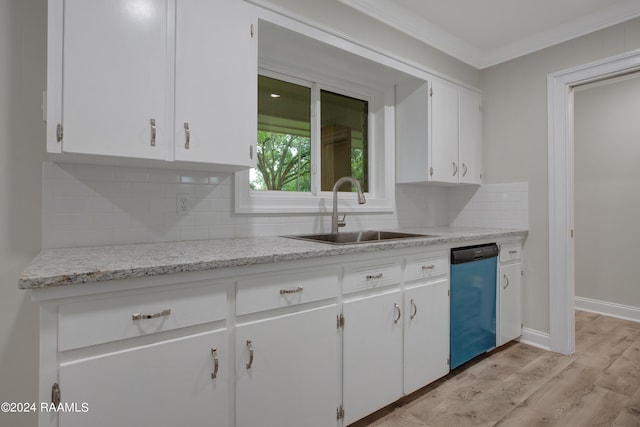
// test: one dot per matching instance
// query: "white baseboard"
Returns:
(612, 309)
(536, 339)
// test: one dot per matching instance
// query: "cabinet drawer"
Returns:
(106, 319)
(267, 292)
(370, 275)
(426, 267)
(510, 252)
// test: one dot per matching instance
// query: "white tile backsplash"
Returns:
(490, 205)
(86, 205)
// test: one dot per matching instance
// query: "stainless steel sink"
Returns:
(369, 236)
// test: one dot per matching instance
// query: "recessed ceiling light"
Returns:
(275, 95)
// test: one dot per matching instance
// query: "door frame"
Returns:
(560, 86)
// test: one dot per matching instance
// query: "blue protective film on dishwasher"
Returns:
(473, 309)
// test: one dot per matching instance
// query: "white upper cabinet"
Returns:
(115, 98)
(153, 79)
(216, 82)
(438, 133)
(445, 166)
(470, 137)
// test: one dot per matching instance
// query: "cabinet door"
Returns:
(412, 132)
(510, 303)
(287, 370)
(164, 384)
(426, 334)
(216, 82)
(372, 354)
(117, 62)
(444, 132)
(470, 138)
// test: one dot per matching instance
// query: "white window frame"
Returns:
(380, 195)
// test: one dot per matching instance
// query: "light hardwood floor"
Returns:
(519, 385)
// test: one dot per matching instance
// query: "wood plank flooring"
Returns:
(518, 385)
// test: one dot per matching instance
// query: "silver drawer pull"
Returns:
(291, 291)
(214, 353)
(250, 347)
(139, 316)
(513, 252)
(428, 267)
(397, 308)
(375, 276)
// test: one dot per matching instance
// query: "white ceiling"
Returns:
(485, 33)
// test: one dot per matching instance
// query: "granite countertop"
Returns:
(57, 267)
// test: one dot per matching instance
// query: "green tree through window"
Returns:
(284, 162)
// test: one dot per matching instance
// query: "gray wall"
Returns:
(22, 79)
(607, 191)
(515, 140)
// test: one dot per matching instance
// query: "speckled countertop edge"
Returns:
(58, 267)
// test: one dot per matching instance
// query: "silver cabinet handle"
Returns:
(214, 353)
(55, 394)
(464, 170)
(428, 267)
(152, 122)
(375, 276)
(415, 309)
(139, 316)
(397, 308)
(187, 136)
(506, 279)
(250, 347)
(513, 252)
(291, 291)
(455, 169)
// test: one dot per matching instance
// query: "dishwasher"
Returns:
(473, 302)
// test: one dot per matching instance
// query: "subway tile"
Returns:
(131, 174)
(194, 178)
(164, 176)
(194, 233)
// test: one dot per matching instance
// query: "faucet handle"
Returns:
(342, 222)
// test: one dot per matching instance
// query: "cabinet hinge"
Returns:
(251, 30)
(55, 394)
(430, 91)
(340, 321)
(449, 361)
(251, 152)
(340, 413)
(59, 133)
(430, 171)
(449, 292)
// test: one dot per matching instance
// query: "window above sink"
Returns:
(344, 126)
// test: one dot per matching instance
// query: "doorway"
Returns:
(560, 87)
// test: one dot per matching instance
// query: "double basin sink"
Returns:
(369, 236)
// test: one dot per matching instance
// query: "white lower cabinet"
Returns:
(268, 347)
(509, 283)
(509, 319)
(287, 370)
(426, 334)
(372, 353)
(169, 383)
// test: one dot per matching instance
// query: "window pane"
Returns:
(344, 150)
(284, 143)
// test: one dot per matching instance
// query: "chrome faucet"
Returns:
(335, 223)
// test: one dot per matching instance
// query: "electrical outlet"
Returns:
(182, 204)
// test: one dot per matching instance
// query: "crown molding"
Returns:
(421, 29)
